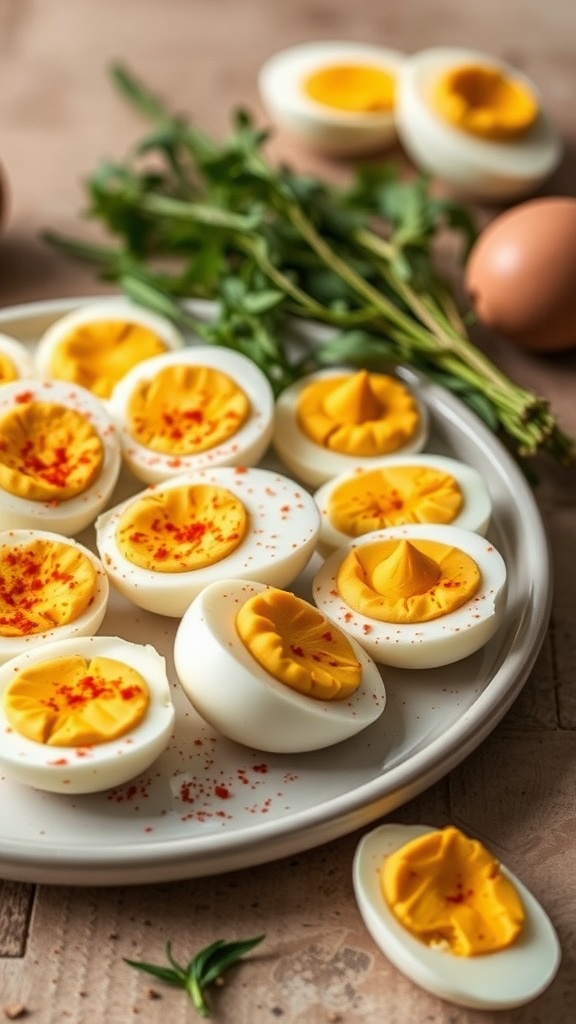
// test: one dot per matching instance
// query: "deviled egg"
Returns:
(59, 456)
(84, 714)
(202, 406)
(51, 588)
(97, 343)
(16, 360)
(161, 547)
(340, 419)
(402, 489)
(415, 596)
(454, 920)
(266, 669)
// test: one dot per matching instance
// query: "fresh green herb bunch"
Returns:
(198, 218)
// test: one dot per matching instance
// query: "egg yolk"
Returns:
(48, 452)
(407, 581)
(294, 643)
(183, 410)
(380, 498)
(97, 354)
(73, 702)
(354, 88)
(362, 413)
(182, 528)
(485, 102)
(43, 584)
(449, 891)
(7, 369)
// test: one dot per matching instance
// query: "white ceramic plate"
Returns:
(210, 805)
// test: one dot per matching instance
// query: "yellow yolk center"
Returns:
(182, 528)
(183, 410)
(379, 498)
(485, 102)
(96, 355)
(43, 584)
(73, 702)
(294, 643)
(407, 581)
(48, 452)
(7, 369)
(362, 413)
(449, 891)
(354, 88)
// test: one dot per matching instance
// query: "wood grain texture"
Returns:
(61, 948)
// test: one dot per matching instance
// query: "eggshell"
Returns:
(495, 981)
(521, 274)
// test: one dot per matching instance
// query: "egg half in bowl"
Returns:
(161, 547)
(83, 715)
(59, 456)
(266, 669)
(51, 588)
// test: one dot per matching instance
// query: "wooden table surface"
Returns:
(61, 948)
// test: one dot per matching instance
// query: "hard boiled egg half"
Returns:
(96, 344)
(266, 669)
(51, 588)
(336, 420)
(402, 489)
(59, 456)
(415, 596)
(83, 715)
(201, 406)
(336, 97)
(16, 360)
(161, 547)
(475, 123)
(425, 894)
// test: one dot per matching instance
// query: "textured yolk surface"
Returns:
(48, 452)
(96, 355)
(7, 369)
(407, 581)
(484, 102)
(449, 891)
(182, 528)
(379, 498)
(73, 702)
(294, 643)
(360, 414)
(186, 409)
(355, 88)
(43, 584)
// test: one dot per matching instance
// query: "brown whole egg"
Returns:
(521, 275)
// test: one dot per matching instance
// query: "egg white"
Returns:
(112, 309)
(474, 514)
(238, 697)
(103, 765)
(245, 447)
(421, 645)
(480, 168)
(283, 524)
(326, 129)
(313, 463)
(85, 624)
(493, 981)
(71, 515)
(19, 355)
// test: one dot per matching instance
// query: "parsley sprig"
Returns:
(201, 971)
(194, 217)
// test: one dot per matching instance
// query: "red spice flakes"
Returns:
(366, 629)
(24, 396)
(222, 792)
